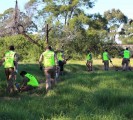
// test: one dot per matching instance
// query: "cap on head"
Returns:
(11, 47)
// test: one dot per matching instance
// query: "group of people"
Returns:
(126, 54)
(49, 61)
(52, 64)
(10, 62)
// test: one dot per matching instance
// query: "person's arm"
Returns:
(121, 53)
(16, 61)
(24, 84)
(25, 81)
(90, 56)
(109, 58)
(102, 58)
(130, 55)
(55, 59)
(40, 61)
(63, 56)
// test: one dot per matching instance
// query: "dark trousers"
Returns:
(61, 65)
(125, 63)
(106, 65)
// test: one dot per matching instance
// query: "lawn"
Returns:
(80, 95)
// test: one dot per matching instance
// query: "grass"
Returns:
(99, 95)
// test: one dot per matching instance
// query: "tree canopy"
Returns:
(71, 26)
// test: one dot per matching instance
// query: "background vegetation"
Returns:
(79, 95)
(70, 28)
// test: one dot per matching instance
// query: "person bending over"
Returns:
(29, 81)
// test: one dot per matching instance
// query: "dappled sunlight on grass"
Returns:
(81, 88)
(97, 95)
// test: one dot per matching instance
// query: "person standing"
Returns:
(89, 61)
(48, 61)
(61, 61)
(106, 58)
(126, 59)
(10, 61)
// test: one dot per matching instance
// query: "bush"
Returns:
(26, 50)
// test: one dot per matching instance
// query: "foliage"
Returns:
(115, 17)
(65, 10)
(66, 17)
(27, 50)
(14, 17)
(98, 22)
(127, 35)
(70, 28)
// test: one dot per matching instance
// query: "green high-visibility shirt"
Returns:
(48, 58)
(60, 56)
(126, 54)
(9, 59)
(32, 80)
(105, 56)
(89, 56)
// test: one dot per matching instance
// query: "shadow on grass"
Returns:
(79, 95)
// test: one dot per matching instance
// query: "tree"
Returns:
(7, 22)
(98, 22)
(126, 35)
(20, 23)
(115, 19)
(65, 10)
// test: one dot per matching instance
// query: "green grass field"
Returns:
(80, 95)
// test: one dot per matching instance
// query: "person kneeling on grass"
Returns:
(29, 82)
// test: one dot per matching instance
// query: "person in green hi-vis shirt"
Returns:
(10, 62)
(48, 60)
(29, 82)
(106, 58)
(89, 60)
(126, 59)
(61, 61)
